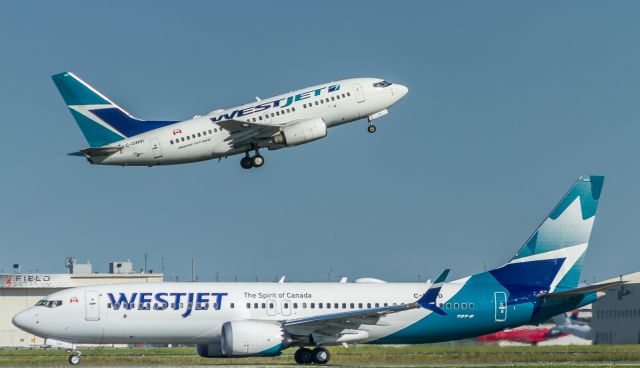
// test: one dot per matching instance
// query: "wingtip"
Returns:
(443, 276)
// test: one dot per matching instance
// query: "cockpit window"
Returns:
(49, 303)
(382, 84)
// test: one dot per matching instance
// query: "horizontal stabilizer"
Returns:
(428, 300)
(96, 151)
(569, 294)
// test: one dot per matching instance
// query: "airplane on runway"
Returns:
(116, 137)
(261, 319)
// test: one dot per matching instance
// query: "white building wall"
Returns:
(616, 317)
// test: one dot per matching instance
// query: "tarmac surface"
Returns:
(363, 364)
(463, 355)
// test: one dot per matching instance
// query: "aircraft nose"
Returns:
(24, 320)
(402, 90)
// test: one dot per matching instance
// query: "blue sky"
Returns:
(509, 103)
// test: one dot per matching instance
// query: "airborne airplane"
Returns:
(261, 319)
(115, 137)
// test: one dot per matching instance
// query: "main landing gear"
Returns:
(318, 355)
(74, 358)
(248, 162)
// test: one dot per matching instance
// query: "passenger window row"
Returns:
(293, 109)
(273, 114)
(198, 135)
(322, 101)
(457, 305)
(320, 305)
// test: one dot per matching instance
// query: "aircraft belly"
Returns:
(162, 331)
(342, 117)
(176, 154)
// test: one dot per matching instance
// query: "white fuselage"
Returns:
(88, 314)
(201, 138)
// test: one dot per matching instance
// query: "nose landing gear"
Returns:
(371, 128)
(248, 162)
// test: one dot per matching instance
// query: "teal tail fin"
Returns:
(102, 122)
(557, 247)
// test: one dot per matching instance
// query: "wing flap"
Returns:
(234, 126)
(243, 132)
(346, 317)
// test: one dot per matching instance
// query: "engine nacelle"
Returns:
(243, 338)
(300, 133)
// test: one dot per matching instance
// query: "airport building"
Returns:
(21, 290)
(616, 317)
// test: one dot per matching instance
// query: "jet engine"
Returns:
(303, 132)
(242, 338)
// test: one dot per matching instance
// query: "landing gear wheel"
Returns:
(257, 161)
(303, 356)
(74, 359)
(371, 129)
(320, 356)
(246, 162)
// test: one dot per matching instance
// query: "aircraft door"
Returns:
(91, 305)
(271, 307)
(500, 299)
(286, 308)
(358, 93)
(155, 147)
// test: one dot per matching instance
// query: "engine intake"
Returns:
(301, 133)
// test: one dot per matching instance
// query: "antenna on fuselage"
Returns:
(193, 270)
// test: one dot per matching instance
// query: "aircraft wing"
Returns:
(335, 324)
(242, 132)
(347, 317)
